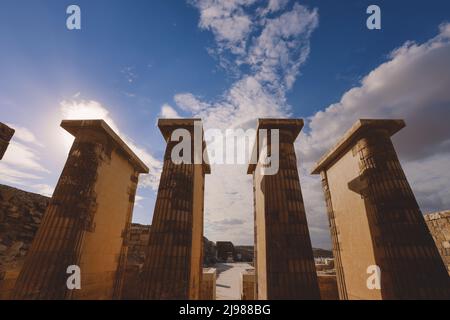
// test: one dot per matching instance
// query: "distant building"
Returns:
(225, 251)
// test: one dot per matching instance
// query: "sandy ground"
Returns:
(228, 286)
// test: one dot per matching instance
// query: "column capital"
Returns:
(74, 127)
(167, 126)
(292, 125)
(360, 129)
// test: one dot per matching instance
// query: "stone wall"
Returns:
(439, 225)
(208, 284)
(137, 243)
(20, 216)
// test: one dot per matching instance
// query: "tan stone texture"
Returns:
(328, 286)
(439, 225)
(208, 284)
(87, 221)
(248, 285)
(375, 219)
(284, 260)
(173, 266)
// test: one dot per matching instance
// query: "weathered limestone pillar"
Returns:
(284, 259)
(173, 264)
(6, 133)
(248, 285)
(375, 219)
(208, 284)
(87, 221)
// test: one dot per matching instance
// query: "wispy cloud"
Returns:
(79, 109)
(412, 85)
(267, 42)
(22, 164)
(168, 112)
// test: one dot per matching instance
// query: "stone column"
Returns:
(284, 259)
(87, 220)
(173, 264)
(6, 133)
(375, 219)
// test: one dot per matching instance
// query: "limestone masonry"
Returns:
(375, 222)
(439, 225)
(173, 266)
(284, 262)
(375, 219)
(87, 221)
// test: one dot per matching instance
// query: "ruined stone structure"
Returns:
(283, 254)
(20, 217)
(248, 285)
(173, 265)
(6, 133)
(87, 221)
(208, 284)
(439, 225)
(137, 245)
(375, 219)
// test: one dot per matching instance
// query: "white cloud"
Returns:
(43, 189)
(412, 85)
(22, 156)
(276, 5)
(21, 165)
(10, 175)
(168, 112)
(24, 135)
(188, 102)
(227, 20)
(272, 49)
(88, 109)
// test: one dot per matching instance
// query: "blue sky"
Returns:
(133, 62)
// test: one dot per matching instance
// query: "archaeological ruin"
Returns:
(439, 225)
(173, 266)
(87, 221)
(375, 219)
(284, 262)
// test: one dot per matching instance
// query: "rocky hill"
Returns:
(20, 216)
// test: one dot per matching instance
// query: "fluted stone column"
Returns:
(284, 259)
(6, 133)
(87, 221)
(375, 219)
(173, 265)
